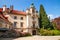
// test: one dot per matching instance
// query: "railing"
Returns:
(34, 27)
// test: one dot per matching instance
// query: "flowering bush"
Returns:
(14, 34)
(23, 34)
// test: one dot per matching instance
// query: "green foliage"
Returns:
(43, 19)
(54, 25)
(45, 32)
(56, 32)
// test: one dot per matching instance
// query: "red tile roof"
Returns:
(18, 12)
(15, 12)
(1, 9)
(4, 18)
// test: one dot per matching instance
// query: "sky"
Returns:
(52, 7)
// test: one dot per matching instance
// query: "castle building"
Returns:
(23, 21)
(56, 22)
(4, 22)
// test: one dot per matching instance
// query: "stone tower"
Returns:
(32, 19)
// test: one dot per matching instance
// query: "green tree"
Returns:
(54, 25)
(44, 21)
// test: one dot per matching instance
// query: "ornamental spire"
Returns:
(32, 5)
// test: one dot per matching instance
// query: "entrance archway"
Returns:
(34, 32)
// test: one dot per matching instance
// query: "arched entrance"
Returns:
(34, 32)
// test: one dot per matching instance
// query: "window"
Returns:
(15, 24)
(33, 10)
(33, 18)
(33, 25)
(15, 17)
(21, 18)
(21, 24)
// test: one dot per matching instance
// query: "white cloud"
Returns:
(51, 16)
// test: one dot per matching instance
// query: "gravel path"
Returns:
(34, 38)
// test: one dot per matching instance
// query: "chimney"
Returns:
(4, 8)
(11, 7)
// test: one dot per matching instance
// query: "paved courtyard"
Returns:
(34, 38)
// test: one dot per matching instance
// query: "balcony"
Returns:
(34, 27)
(33, 22)
(33, 15)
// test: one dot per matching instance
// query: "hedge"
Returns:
(45, 32)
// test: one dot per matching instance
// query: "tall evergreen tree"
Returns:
(44, 21)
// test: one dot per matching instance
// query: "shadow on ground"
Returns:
(7, 38)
